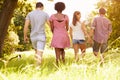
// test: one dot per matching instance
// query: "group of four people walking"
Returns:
(59, 25)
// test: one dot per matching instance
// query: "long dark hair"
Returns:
(74, 21)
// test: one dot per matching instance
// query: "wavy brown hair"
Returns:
(74, 21)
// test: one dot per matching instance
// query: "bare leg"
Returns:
(101, 58)
(57, 52)
(83, 49)
(76, 51)
(63, 55)
(102, 51)
(95, 53)
(38, 56)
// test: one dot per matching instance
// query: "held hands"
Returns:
(89, 40)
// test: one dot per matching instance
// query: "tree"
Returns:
(113, 13)
(23, 8)
(5, 18)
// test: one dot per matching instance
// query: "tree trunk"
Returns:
(5, 18)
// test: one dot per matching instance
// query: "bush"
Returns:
(10, 43)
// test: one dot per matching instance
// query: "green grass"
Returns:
(86, 69)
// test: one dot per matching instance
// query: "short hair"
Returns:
(39, 5)
(59, 6)
(102, 11)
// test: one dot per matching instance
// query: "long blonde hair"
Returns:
(74, 21)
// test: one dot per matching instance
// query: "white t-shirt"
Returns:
(77, 32)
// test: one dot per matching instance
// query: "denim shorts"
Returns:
(78, 41)
(102, 47)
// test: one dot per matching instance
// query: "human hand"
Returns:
(26, 39)
(89, 40)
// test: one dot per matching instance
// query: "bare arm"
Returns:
(48, 22)
(84, 29)
(70, 32)
(67, 24)
(51, 25)
(91, 32)
(92, 29)
(27, 22)
(110, 28)
(86, 33)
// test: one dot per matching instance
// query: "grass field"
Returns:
(86, 69)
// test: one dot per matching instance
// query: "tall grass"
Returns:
(86, 69)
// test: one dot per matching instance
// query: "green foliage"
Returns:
(86, 69)
(19, 18)
(1, 3)
(114, 16)
(11, 43)
(113, 13)
(17, 25)
(15, 30)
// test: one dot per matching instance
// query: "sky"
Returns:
(84, 6)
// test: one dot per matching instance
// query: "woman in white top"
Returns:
(77, 33)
